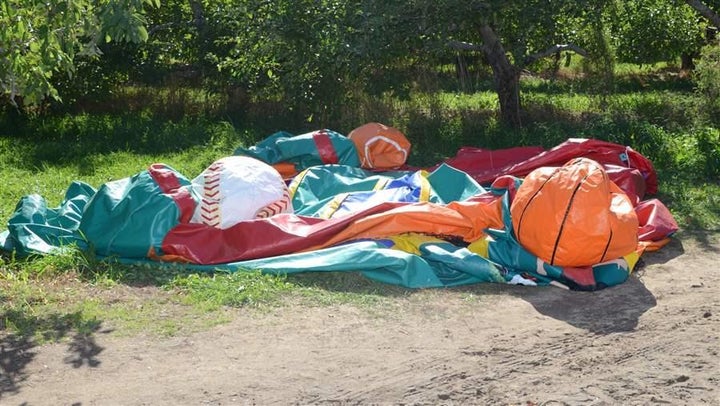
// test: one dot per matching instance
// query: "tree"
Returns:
(311, 51)
(651, 31)
(514, 35)
(706, 11)
(42, 39)
(293, 50)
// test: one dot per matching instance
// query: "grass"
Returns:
(49, 298)
(53, 297)
(230, 289)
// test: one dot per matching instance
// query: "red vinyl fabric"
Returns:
(288, 233)
(656, 221)
(485, 166)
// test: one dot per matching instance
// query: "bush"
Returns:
(707, 77)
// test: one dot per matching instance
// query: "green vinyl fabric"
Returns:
(36, 229)
(130, 216)
(302, 150)
(438, 264)
(125, 218)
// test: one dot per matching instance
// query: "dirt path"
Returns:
(652, 340)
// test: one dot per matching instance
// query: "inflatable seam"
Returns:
(565, 216)
(527, 205)
(607, 246)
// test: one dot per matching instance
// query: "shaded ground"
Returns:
(653, 340)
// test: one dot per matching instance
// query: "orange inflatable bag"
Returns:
(380, 146)
(574, 216)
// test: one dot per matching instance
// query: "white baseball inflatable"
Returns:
(238, 188)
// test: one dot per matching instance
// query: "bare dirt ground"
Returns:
(653, 340)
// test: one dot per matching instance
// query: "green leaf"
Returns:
(142, 34)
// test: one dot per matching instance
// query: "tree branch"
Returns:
(160, 27)
(465, 46)
(554, 49)
(705, 11)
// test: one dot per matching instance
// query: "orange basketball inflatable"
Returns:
(380, 146)
(574, 216)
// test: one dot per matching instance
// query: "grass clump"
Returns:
(236, 289)
(335, 288)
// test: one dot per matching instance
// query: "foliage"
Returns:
(707, 76)
(655, 30)
(295, 51)
(40, 40)
(310, 58)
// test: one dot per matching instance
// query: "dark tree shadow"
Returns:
(16, 352)
(17, 347)
(84, 350)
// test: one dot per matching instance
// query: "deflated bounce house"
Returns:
(574, 216)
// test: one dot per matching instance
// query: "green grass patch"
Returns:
(237, 289)
(336, 288)
(49, 298)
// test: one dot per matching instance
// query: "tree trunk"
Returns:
(507, 77)
(686, 62)
(462, 72)
(199, 20)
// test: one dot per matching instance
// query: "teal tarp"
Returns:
(439, 265)
(35, 229)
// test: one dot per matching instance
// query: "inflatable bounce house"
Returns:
(574, 216)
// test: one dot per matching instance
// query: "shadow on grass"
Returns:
(347, 282)
(622, 84)
(17, 347)
(709, 240)
(59, 140)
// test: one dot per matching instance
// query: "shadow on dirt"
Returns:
(615, 309)
(15, 354)
(17, 348)
(672, 250)
(612, 310)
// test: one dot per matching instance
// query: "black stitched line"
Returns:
(567, 212)
(607, 246)
(522, 215)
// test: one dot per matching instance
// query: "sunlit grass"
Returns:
(243, 288)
